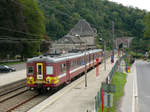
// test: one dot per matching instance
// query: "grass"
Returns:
(119, 80)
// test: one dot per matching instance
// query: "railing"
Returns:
(98, 97)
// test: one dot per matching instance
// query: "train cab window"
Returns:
(49, 70)
(30, 70)
(39, 69)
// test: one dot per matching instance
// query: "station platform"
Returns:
(8, 78)
(75, 97)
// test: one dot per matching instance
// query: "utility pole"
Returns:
(113, 36)
(85, 66)
(104, 55)
(39, 48)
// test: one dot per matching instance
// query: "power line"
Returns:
(13, 39)
(4, 28)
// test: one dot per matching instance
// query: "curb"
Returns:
(135, 92)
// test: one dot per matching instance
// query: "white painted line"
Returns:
(133, 99)
(77, 69)
(62, 75)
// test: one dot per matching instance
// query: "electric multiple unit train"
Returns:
(52, 71)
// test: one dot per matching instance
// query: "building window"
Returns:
(49, 69)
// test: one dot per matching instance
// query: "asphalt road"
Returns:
(143, 80)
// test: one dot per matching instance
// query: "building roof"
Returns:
(69, 39)
(82, 28)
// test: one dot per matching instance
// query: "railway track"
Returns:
(12, 87)
(22, 101)
(16, 97)
(12, 100)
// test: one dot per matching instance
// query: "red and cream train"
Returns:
(50, 72)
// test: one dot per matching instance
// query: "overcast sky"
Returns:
(141, 4)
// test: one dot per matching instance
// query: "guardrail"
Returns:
(98, 97)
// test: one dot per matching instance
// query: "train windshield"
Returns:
(49, 70)
(39, 69)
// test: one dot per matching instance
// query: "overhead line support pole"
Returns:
(104, 55)
(85, 67)
(113, 36)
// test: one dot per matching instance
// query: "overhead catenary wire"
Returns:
(11, 30)
(18, 41)
(18, 38)
(14, 39)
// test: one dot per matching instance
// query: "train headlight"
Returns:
(48, 79)
(31, 78)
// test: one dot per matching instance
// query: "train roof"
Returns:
(62, 57)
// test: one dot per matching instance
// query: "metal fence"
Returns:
(98, 97)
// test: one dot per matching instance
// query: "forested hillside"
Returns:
(62, 15)
(23, 22)
(20, 21)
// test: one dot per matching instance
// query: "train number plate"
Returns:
(39, 81)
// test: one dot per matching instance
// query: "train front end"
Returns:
(41, 74)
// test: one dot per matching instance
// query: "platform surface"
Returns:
(8, 78)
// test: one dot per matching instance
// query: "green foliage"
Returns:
(146, 40)
(20, 16)
(147, 26)
(35, 24)
(62, 15)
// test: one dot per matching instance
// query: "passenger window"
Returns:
(30, 70)
(62, 68)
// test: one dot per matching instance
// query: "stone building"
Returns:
(82, 36)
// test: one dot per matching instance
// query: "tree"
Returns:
(35, 24)
(99, 13)
(20, 21)
(147, 26)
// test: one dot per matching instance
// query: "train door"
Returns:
(68, 78)
(39, 68)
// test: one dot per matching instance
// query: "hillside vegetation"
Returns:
(56, 17)
(20, 20)
(62, 15)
